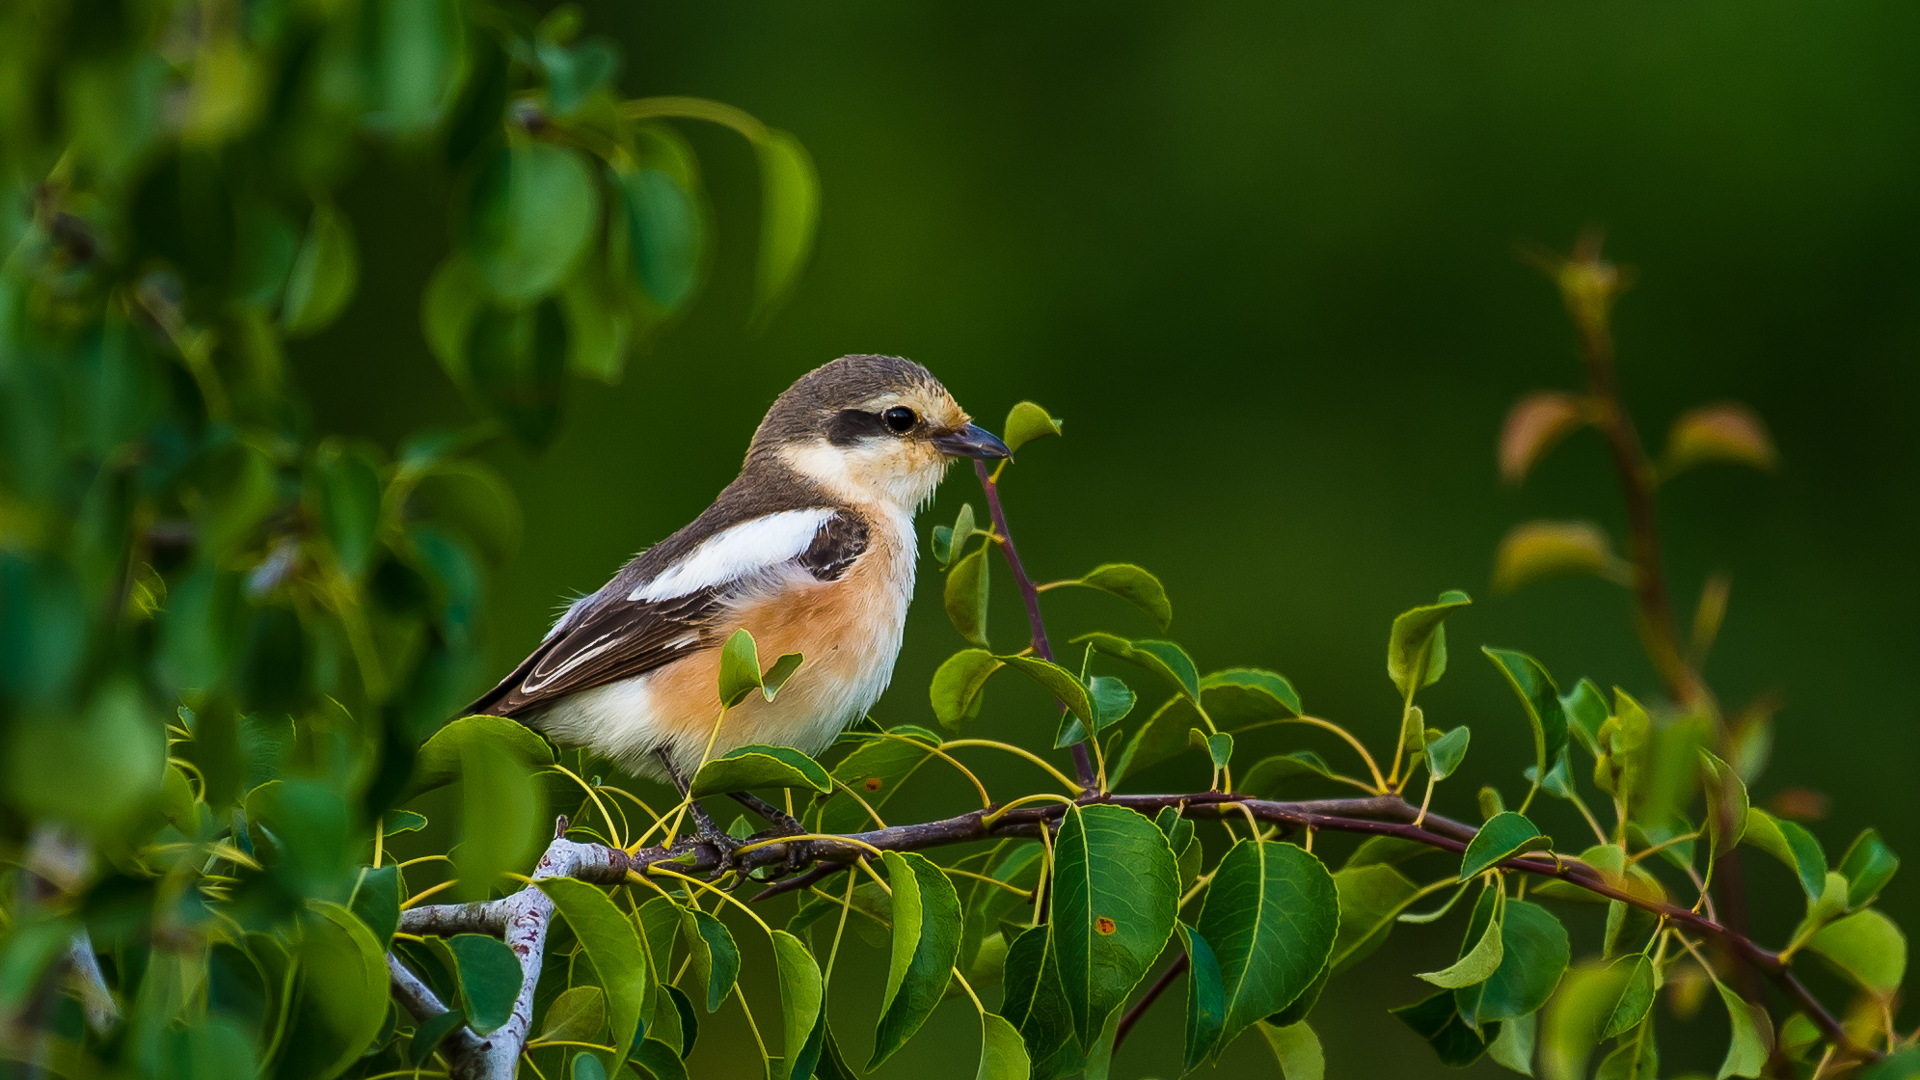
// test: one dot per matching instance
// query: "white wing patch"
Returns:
(732, 554)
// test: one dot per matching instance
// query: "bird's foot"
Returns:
(799, 852)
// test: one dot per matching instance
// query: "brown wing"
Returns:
(621, 638)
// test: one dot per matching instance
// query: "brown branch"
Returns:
(1167, 978)
(1082, 762)
(523, 917)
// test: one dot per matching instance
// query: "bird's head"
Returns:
(871, 429)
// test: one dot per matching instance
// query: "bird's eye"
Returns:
(899, 419)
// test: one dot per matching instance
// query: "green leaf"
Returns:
(1115, 888)
(1111, 700)
(1219, 747)
(613, 944)
(789, 214)
(1436, 1020)
(665, 235)
(1269, 778)
(1025, 423)
(489, 980)
(1163, 658)
(430, 1034)
(1868, 865)
(657, 1060)
(777, 675)
(1868, 947)
(343, 994)
(1539, 697)
(739, 668)
(1637, 986)
(1534, 954)
(801, 993)
(1725, 431)
(1513, 1047)
(1752, 1036)
(959, 684)
(396, 822)
(502, 809)
(1586, 710)
(1371, 897)
(1239, 696)
(926, 941)
(1504, 835)
(949, 540)
(1481, 952)
(1726, 809)
(530, 215)
(1445, 753)
(1297, 1049)
(1637, 1057)
(438, 762)
(875, 771)
(1035, 1003)
(1206, 997)
(1417, 648)
(1057, 681)
(323, 275)
(716, 959)
(1537, 550)
(587, 1067)
(579, 1014)
(1003, 1054)
(376, 901)
(1135, 586)
(1792, 845)
(1271, 915)
(965, 596)
(755, 766)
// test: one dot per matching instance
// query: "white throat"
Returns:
(870, 473)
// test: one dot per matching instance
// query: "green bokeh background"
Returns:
(1260, 256)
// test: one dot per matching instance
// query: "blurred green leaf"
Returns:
(1025, 423)
(503, 811)
(1297, 1049)
(1417, 648)
(1003, 1054)
(1437, 1021)
(965, 596)
(1534, 425)
(1726, 808)
(438, 762)
(1537, 550)
(1503, 836)
(1868, 865)
(94, 770)
(1752, 1036)
(926, 941)
(1115, 888)
(665, 235)
(323, 275)
(348, 489)
(376, 900)
(1134, 585)
(1586, 710)
(1637, 1057)
(528, 216)
(747, 767)
(489, 980)
(1867, 947)
(1722, 432)
(789, 215)
(1271, 915)
(1269, 778)
(516, 364)
(343, 996)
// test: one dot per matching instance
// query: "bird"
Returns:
(810, 549)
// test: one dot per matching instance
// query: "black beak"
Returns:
(971, 441)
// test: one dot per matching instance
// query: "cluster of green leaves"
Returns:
(223, 634)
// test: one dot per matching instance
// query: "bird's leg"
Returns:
(708, 833)
(799, 852)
